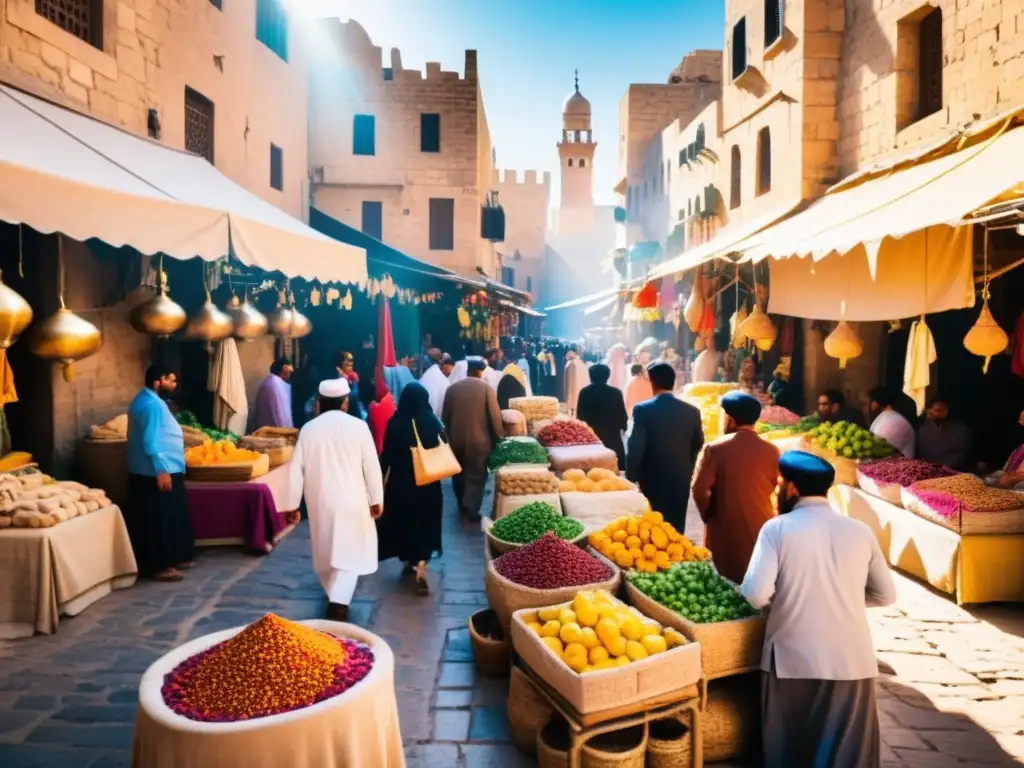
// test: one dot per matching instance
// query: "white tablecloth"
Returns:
(277, 481)
(358, 729)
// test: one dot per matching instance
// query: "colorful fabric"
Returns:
(273, 403)
(380, 414)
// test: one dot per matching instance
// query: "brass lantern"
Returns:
(289, 323)
(65, 337)
(15, 315)
(249, 323)
(158, 316)
(208, 323)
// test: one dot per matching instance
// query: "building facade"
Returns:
(402, 155)
(225, 80)
(526, 199)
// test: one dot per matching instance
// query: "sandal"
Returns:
(422, 587)
(169, 575)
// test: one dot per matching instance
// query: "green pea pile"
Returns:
(517, 452)
(694, 590)
(533, 520)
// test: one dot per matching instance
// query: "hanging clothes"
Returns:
(227, 382)
(917, 372)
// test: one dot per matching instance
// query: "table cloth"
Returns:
(47, 572)
(358, 729)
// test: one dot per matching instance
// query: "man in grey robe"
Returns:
(472, 421)
(818, 666)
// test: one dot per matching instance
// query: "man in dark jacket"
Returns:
(602, 407)
(663, 446)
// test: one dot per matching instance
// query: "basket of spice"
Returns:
(528, 523)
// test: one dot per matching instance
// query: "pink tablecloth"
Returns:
(235, 513)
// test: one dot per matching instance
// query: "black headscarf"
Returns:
(414, 405)
(508, 388)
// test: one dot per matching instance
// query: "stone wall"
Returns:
(526, 200)
(399, 174)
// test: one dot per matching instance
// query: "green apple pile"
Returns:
(851, 441)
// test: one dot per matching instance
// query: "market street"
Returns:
(952, 693)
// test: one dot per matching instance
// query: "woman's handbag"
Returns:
(430, 465)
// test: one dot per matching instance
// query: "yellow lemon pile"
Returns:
(223, 452)
(598, 632)
(646, 543)
(597, 480)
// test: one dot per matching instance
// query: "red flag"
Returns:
(385, 341)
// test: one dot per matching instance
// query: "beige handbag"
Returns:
(430, 465)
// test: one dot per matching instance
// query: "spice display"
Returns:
(35, 500)
(551, 563)
(535, 408)
(221, 452)
(597, 632)
(517, 452)
(779, 416)
(597, 480)
(270, 667)
(695, 591)
(949, 496)
(850, 441)
(901, 471)
(188, 419)
(645, 542)
(531, 521)
(566, 432)
(520, 481)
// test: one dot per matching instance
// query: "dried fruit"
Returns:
(567, 432)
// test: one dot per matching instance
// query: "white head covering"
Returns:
(334, 388)
(458, 372)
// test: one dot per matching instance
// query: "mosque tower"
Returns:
(576, 156)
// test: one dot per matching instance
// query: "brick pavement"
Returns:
(951, 694)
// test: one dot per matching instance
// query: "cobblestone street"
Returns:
(951, 693)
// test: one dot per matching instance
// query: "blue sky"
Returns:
(527, 50)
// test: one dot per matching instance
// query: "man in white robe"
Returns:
(335, 467)
(493, 373)
(435, 379)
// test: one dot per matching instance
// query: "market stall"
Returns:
(194, 711)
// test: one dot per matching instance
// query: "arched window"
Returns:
(700, 137)
(570, 162)
(689, 208)
(764, 160)
(583, 162)
(696, 206)
(734, 186)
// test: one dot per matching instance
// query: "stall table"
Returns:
(49, 572)
(357, 728)
(976, 568)
(242, 513)
(688, 702)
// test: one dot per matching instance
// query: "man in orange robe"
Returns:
(733, 486)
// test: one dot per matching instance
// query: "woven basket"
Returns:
(501, 547)
(220, 473)
(726, 647)
(730, 721)
(279, 456)
(490, 644)
(506, 597)
(553, 744)
(287, 433)
(617, 749)
(527, 711)
(668, 744)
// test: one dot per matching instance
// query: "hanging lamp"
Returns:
(249, 322)
(758, 327)
(15, 312)
(286, 322)
(844, 344)
(986, 339)
(158, 316)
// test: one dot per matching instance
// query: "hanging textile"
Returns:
(227, 382)
(917, 371)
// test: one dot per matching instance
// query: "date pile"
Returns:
(551, 563)
(566, 432)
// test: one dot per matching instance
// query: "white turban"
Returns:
(335, 389)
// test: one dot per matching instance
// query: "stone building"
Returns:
(526, 199)
(402, 155)
(223, 80)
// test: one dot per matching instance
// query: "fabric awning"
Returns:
(722, 244)
(598, 296)
(61, 171)
(602, 304)
(529, 311)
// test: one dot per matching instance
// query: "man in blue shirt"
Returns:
(157, 514)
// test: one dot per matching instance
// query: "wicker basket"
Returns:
(279, 456)
(730, 721)
(490, 644)
(501, 547)
(229, 473)
(617, 749)
(726, 647)
(553, 744)
(668, 744)
(527, 711)
(286, 433)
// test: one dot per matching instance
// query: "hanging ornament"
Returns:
(314, 297)
(249, 323)
(333, 294)
(286, 322)
(738, 339)
(986, 338)
(844, 344)
(346, 303)
(15, 315)
(208, 323)
(158, 316)
(64, 336)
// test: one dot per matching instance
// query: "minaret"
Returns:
(576, 155)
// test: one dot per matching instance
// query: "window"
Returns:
(81, 18)
(272, 26)
(442, 224)
(682, 157)
(363, 135)
(529, 284)
(373, 219)
(388, 73)
(772, 22)
(198, 124)
(689, 208)
(508, 277)
(276, 168)
(764, 160)
(929, 64)
(699, 141)
(570, 162)
(430, 132)
(583, 162)
(216, 4)
(739, 48)
(734, 186)
(696, 206)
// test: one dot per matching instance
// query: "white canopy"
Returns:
(61, 171)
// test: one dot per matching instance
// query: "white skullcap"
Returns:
(335, 389)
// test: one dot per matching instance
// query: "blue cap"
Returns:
(811, 474)
(743, 408)
(476, 363)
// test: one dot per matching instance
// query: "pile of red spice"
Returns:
(551, 563)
